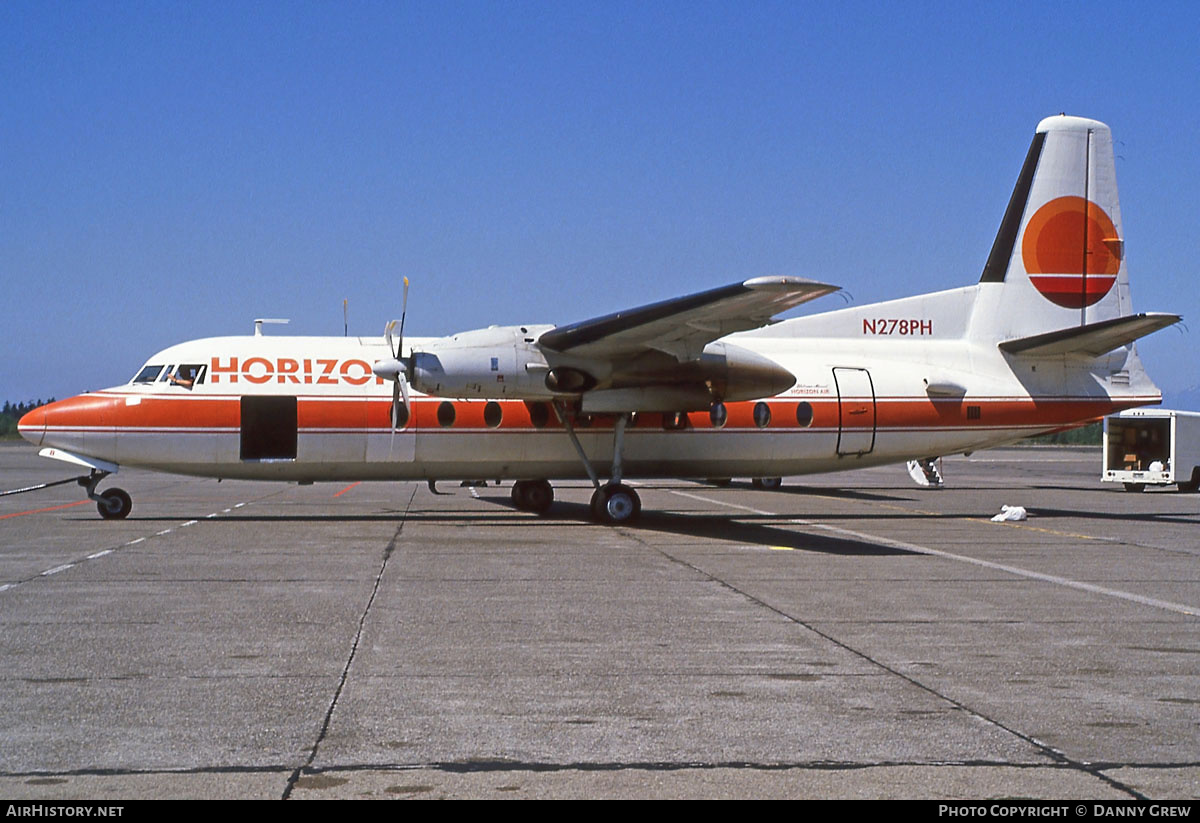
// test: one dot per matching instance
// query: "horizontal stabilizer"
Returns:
(1094, 338)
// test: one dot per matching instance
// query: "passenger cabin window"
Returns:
(493, 415)
(718, 415)
(148, 374)
(539, 414)
(762, 415)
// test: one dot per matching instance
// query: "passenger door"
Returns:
(856, 411)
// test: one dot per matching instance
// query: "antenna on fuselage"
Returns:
(258, 323)
(345, 317)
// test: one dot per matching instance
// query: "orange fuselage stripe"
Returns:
(317, 414)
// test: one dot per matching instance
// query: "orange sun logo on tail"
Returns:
(1054, 252)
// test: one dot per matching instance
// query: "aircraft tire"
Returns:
(767, 483)
(597, 504)
(519, 491)
(616, 504)
(114, 504)
(539, 496)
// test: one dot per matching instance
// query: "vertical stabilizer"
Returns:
(1058, 259)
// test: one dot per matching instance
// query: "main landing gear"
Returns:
(613, 503)
(113, 504)
(532, 495)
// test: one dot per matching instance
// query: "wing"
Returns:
(683, 326)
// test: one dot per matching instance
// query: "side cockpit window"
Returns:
(187, 375)
(148, 374)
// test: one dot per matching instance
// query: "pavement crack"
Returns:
(1049, 751)
(362, 621)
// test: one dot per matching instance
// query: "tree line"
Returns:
(12, 412)
(1090, 435)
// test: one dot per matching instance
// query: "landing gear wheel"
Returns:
(1135, 487)
(532, 495)
(767, 483)
(114, 504)
(616, 503)
(1189, 487)
(539, 496)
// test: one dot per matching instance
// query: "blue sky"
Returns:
(173, 170)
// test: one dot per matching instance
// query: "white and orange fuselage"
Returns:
(856, 402)
(1043, 341)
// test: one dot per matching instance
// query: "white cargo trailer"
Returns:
(1152, 447)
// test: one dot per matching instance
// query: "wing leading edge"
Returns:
(683, 326)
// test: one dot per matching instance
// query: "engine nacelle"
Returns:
(496, 362)
(740, 374)
(723, 371)
(505, 362)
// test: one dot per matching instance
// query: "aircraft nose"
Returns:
(32, 425)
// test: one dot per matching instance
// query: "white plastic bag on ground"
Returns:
(1010, 513)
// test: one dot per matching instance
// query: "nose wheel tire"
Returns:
(767, 483)
(114, 504)
(615, 504)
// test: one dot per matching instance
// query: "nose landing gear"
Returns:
(113, 504)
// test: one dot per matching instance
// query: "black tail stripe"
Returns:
(1002, 248)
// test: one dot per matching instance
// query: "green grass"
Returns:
(12, 412)
(1090, 435)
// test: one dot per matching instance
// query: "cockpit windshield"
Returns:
(185, 374)
(148, 374)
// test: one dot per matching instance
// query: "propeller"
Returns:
(396, 369)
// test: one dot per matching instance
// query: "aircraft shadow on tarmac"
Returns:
(732, 528)
(1141, 517)
(726, 527)
(848, 494)
(822, 491)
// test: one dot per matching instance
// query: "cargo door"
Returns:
(268, 427)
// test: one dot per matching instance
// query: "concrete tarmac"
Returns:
(851, 635)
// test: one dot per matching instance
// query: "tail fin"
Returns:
(1058, 260)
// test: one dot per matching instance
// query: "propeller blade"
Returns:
(396, 369)
(403, 314)
(387, 334)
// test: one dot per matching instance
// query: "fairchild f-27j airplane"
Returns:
(703, 386)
